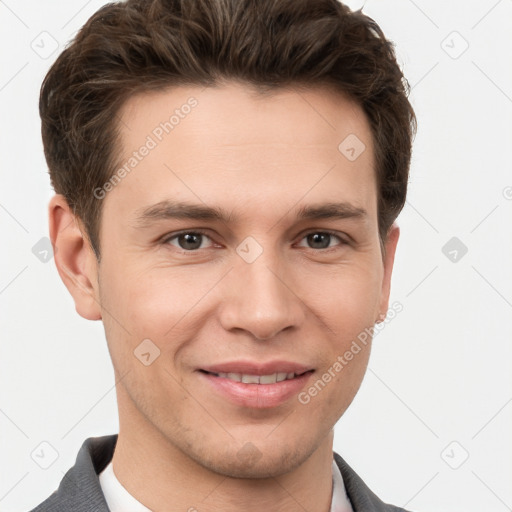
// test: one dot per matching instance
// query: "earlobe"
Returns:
(389, 258)
(74, 258)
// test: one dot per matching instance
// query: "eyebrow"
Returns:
(168, 210)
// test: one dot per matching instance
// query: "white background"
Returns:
(439, 386)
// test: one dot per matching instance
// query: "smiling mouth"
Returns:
(246, 378)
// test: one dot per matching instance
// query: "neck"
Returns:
(158, 474)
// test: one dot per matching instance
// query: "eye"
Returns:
(192, 241)
(322, 240)
(188, 240)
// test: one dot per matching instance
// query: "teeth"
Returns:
(268, 379)
(257, 379)
(250, 379)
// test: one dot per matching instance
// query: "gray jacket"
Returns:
(80, 490)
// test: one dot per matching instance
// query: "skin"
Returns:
(260, 158)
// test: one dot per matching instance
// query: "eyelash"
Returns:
(167, 239)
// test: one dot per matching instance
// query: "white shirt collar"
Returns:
(117, 497)
(340, 501)
(120, 500)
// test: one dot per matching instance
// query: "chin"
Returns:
(268, 460)
(251, 463)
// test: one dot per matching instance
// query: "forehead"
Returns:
(232, 144)
(241, 114)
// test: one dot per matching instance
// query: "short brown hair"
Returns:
(148, 45)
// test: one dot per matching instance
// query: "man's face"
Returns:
(263, 291)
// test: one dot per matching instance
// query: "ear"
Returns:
(75, 259)
(389, 258)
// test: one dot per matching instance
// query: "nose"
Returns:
(260, 300)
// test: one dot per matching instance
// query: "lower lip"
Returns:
(257, 396)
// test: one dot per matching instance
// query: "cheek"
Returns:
(334, 387)
(345, 297)
(147, 298)
(167, 306)
(346, 302)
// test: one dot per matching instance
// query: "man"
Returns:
(227, 177)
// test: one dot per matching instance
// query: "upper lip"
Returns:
(257, 368)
